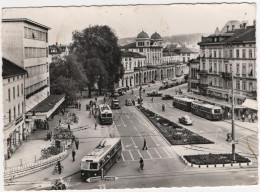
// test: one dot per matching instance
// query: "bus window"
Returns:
(109, 115)
(93, 166)
(217, 110)
(103, 115)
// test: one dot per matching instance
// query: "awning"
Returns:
(251, 104)
(46, 107)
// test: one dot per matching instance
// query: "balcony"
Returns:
(203, 72)
(226, 75)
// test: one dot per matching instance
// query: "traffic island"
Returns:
(215, 160)
(172, 132)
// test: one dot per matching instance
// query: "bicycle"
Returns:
(141, 169)
(55, 170)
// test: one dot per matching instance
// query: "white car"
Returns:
(186, 120)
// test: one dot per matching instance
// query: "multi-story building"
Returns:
(25, 42)
(231, 50)
(193, 81)
(13, 106)
(150, 66)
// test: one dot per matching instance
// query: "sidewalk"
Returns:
(248, 125)
(89, 138)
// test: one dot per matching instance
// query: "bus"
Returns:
(115, 104)
(105, 114)
(210, 112)
(101, 159)
(182, 103)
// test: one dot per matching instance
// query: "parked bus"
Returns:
(207, 111)
(105, 114)
(101, 158)
(182, 103)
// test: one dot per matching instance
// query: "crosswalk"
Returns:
(150, 154)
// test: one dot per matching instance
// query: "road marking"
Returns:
(122, 156)
(139, 153)
(130, 108)
(158, 153)
(155, 105)
(123, 122)
(166, 152)
(135, 146)
(155, 142)
(123, 146)
(149, 154)
(131, 155)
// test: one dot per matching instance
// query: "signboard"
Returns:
(93, 179)
(110, 178)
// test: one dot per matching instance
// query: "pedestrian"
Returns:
(95, 124)
(59, 121)
(229, 115)
(68, 126)
(253, 118)
(59, 166)
(77, 143)
(249, 117)
(145, 146)
(73, 155)
(152, 99)
(243, 117)
(73, 138)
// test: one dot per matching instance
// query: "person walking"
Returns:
(79, 106)
(243, 117)
(249, 117)
(152, 99)
(95, 124)
(68, 126)
(145, 145)
(59, 166)
(73, 155)
(59, 121)
(77, 143)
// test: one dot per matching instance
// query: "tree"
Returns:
(67, 76)
(100, 43)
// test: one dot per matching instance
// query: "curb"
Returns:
(216, 165)
(153, 126)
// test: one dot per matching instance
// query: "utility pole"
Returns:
(233, 120)
(140, 83)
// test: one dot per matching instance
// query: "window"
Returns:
(18, 90)
(244, 86)
(226, 68)
(13, 92)
(210, 67)
(227, 28)
(215, 54)
(220, 67)
(130, 67)
(238, 68)
(14, 113)
(10, 115)
(9, 95)
(250, 69)
(244, 53)
(203, 66)
(230, 53)
(250, 54)
(233, 27)
(243, 68)
(219, 54)
(18, 109)
(238, 84)
(215, 81)
(22, 89)
(22, 107)
(215, 67)
(237, 53)
(230, 66)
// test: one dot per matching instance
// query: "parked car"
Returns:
(186, 120)
(154, 94)
(153, 81)
(167, 97)
(128, 102)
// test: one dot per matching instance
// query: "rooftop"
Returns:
(26, 21)
(10, 69)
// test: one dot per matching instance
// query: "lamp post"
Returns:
(140, 89)
(233, 120)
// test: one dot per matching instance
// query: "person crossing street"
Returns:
(145, 145)
(73, 155)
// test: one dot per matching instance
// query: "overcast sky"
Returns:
(128, 21)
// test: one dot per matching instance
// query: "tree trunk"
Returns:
(89, 92)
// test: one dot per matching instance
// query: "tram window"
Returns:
(109, 115)
(217, 111)
(93, 165)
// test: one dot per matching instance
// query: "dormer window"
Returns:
(227, 28)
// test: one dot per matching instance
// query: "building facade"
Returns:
(13, 107)
(57, 51)
(25, 42)
(193, 80)
(227, 51)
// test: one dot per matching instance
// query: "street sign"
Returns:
(110, 178)
(93, 179)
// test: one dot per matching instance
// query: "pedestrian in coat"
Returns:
(145, 146)
(77, 143)
(95, 124)
(69, 126)
(73, 155)
(79, 106)
(59, 167)
(59, 121)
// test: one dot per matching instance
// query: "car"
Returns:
(154, 94)
(186, 120)
(128, 102)
(153, 81)
(115, 104)
(167, 97)
(114, 94)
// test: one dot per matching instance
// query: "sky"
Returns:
(128, 21)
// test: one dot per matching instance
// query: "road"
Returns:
(163, 167)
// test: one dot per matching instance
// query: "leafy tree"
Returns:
(67, 76)
(96, 47)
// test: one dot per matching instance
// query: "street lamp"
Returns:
(233, 121)
(140, 83)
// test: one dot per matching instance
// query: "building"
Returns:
(193, 80)
(25, 43)
(147, 54)
(13, 108)
(229, 50)
(57, 51)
